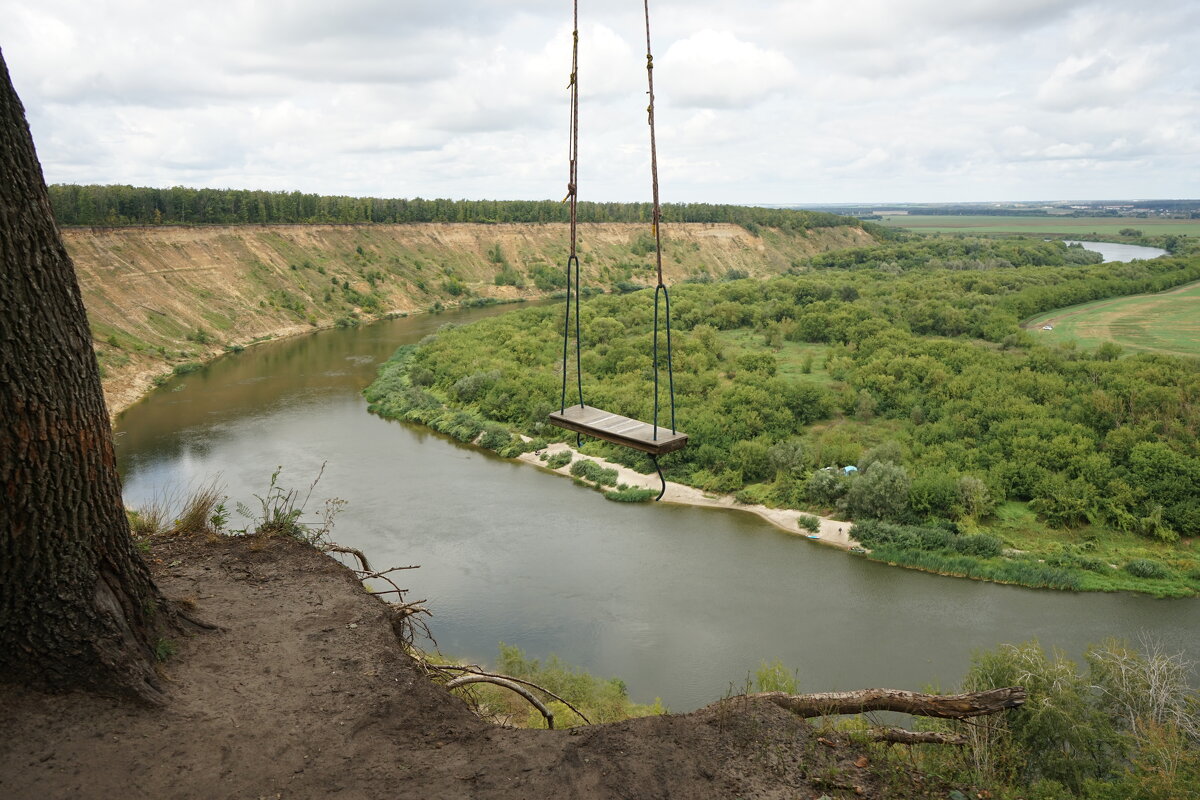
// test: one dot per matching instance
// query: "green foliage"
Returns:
(587, 469)
(187, 368)
(199, 336)
(807, 522)
(881, 492)
(825, 487)
(495, 437)
(559, 460)
(775, 677)
(602, 700)
(281, 512)
(133, 205)
(630, 494)
(943, 425)
(1124, 728)
(1145, 568)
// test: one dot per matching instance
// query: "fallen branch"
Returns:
(511, 686)
(946, 706)
(901, 736)
(531, 684)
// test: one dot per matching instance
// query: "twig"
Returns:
(338, 548)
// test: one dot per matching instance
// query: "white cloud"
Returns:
(715, 69)
(758, 101)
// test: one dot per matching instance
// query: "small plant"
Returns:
(280, 512)
(164, 649)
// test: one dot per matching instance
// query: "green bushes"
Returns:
(557, 460)
(1145, 568)
(586, 469)
(495, 438)
(630, 494)
(1125, 727)
(807, 522)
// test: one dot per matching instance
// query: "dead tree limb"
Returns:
(530, 684)
(943, 706)
(511, 686)
(901, 736)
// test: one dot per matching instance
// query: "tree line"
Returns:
(97, 205)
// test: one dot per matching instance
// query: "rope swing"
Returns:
(650, 438)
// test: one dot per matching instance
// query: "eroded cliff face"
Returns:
(160, 297)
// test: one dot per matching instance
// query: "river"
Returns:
(1124, 253)
(681, 603)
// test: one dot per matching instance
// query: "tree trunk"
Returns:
(945, 706)
(78, 608)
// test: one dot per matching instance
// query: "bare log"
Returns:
(511, 686)
(901, 736)
(944, 706)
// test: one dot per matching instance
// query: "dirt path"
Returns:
(833, 532)
(306, 693)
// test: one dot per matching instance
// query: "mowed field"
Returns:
(1160, 323)
(1043, 226)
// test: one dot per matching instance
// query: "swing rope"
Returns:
(572, 198)
(657, 218)
(675, 440)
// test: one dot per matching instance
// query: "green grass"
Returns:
(789, 356)
(1043, 226)
(1162, 323)
(1096, 556)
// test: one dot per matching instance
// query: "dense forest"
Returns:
(905, 361)
(140, 205)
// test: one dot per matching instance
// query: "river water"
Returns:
(1120, 252)
(681, 603)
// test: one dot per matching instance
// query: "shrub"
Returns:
(1145, 568)
(754, 494)
(980, 545)
(807, 522)
(587, 469)
(560, 460)
(630, 494)
(495, 437)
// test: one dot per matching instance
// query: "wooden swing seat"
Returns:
(619, 430)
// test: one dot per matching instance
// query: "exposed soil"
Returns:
(306, 692)
(161, 296)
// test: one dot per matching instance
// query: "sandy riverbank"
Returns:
(835, 533)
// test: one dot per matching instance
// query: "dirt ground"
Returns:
(305, 692)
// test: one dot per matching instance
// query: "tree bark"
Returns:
(944, 706)
(78, 608)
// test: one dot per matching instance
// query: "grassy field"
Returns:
(1159, 323)
(1042, 226)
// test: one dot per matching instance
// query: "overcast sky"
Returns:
(809, 101)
